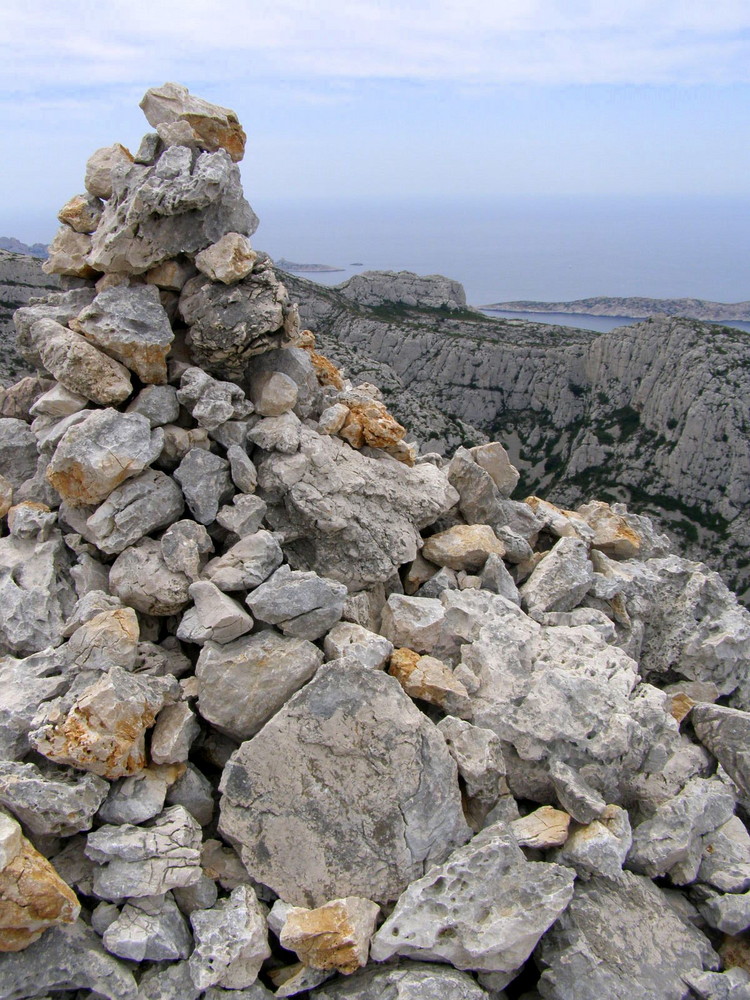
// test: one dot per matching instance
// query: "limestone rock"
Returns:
(66, 957)
(146, 860)
(352, 642)
(350, 517)
(18, 451)
(561, 579)
(613, 533)
(282, 433)
(600, 847)
(273, 393)
(141, 579)
(178, 205)
(184, 547)
(244, 474)
(725, 857)
(137, 798)
(404, 981)
(620, 940)
(205, 482)
(484, 908)
(430, 679)
(81, 212)
(151, 928)
(130, 324)
(465, 546)
(171, 275)
(246, 564)
(6, 495)
(68, 254)
(726, 733)
(109, 639)
(229, 260)
(11, 839)
(230, 324)
(80, 366)
(726, 912)
(333, 418)
(301, 604)
(333, 936)
(493, 458)
(214, 616)
(176, 728)
(231, 942)
(27, 684)
(432, 291)
(242, 684)
(542, 828)
(414, 623)
(214, 127)
(97, 455)
(479, 756)
(99, 169)
(178, 442)
(244, 516)
(362, 831)
(369, 423)
(33, 898)
(53, 801)
(104, 730)
(496, 578)
(58, 402)
(211, 402)
(140, 506)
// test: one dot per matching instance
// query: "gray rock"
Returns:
(481, 501)
(79, 365)
(302, 604)
(184, 547)
(146, 860)
(140, 506)
(229, 324)
(98, 454)
(414, 622)
(246, 564)
(157, 403)
(600, 848)
(175, 206)
(350, 517)
(231, 942)
(405, 981)
(212, 126)
(726, 733)
(364, 832)
(135, 799)
(726, 912)
(495, 577)
(244, 683)
(484, 908)
(99, 169)
(195, 792)
(734, 984)
(173, 734)
(575, 794)
(168, 982)
(36, 593)
(141, 579)
(18, 451)
(130, 324)
(666, 839)
(282, 434)
(355, 643)
(27, 684)
(273, 393)
(229, 260)
(200, 896)
(444, 579)
(211, 403)
(478, 755)
(561, 579)
(244, 516)
(178, 442)
(297, 364)
(151, 929)
(620, 940)
(58, 402)
(204, 478)
(53, 801)
(59, 306)
(68, 957)
(725, 857)
(214, 617)
(493, 458)
(244, 473)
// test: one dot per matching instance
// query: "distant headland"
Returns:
(633, 307)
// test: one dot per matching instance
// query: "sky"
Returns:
(382, 99)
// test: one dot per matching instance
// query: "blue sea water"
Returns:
(546, 249)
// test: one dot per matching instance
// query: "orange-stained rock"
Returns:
(82, 213)
(464, 546)
(33, 897)
(612, 533)
(67, 254)
(428, 678)
(214, 127)
(370, 423)
(736, 951)
(680, 705)
(333, 936)
(542, 828)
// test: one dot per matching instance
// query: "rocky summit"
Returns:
(292, 708)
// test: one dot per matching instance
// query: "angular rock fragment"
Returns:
(613, 534)
(26, 685)
(205, 482)
(246, 564)
(725, 857)
(137, 798)
(99, 169)
(184, 547)
(414, 622)
(350, 641)
(304, 605)
(561, 579)
(726, 733)
(484, 908)
(214, 617)
(333, 936)
(109, 639)
(18, 451)
(51, 801)
(282, 433)
(81, 212)
(141, 579)
(365, 831)
(244, 516)
(430, 679)
(599, 848)
(130, 324)
(273, 393)
(244, 473)
(465, 546)
(176, 728)
(542, 828)
(80, 366)
(231, 942)
(210, 402)
(146, 860)
(229, 260)
(138, 507)
(654, 949)
(404, 981)
(68, 254)
(11, 839)
(493, 458)
(214, 127)
(479, 756)
(727, 912)
(242, 684)
(157, 403)
(66, 958)
(97, 455)
(104, 730)
(151, 928)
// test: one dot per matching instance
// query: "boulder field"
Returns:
(290, 708)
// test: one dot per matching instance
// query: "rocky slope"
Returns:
(291, 709)
(635, 307)
(21, 278)
(653, 414)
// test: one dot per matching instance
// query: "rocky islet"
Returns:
(274, 682)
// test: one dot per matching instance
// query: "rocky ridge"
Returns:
(291, 708)
(635, 307)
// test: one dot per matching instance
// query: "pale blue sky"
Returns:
(379, 98)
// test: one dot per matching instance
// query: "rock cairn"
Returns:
(290, 708)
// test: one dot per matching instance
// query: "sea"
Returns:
(540, 249)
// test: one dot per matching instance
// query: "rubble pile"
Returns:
(289, 708)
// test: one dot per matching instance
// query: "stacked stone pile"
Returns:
(291, 709)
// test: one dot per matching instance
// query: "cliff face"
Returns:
(653, 414)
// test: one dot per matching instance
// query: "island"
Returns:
(289, 265)
(633, 307)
